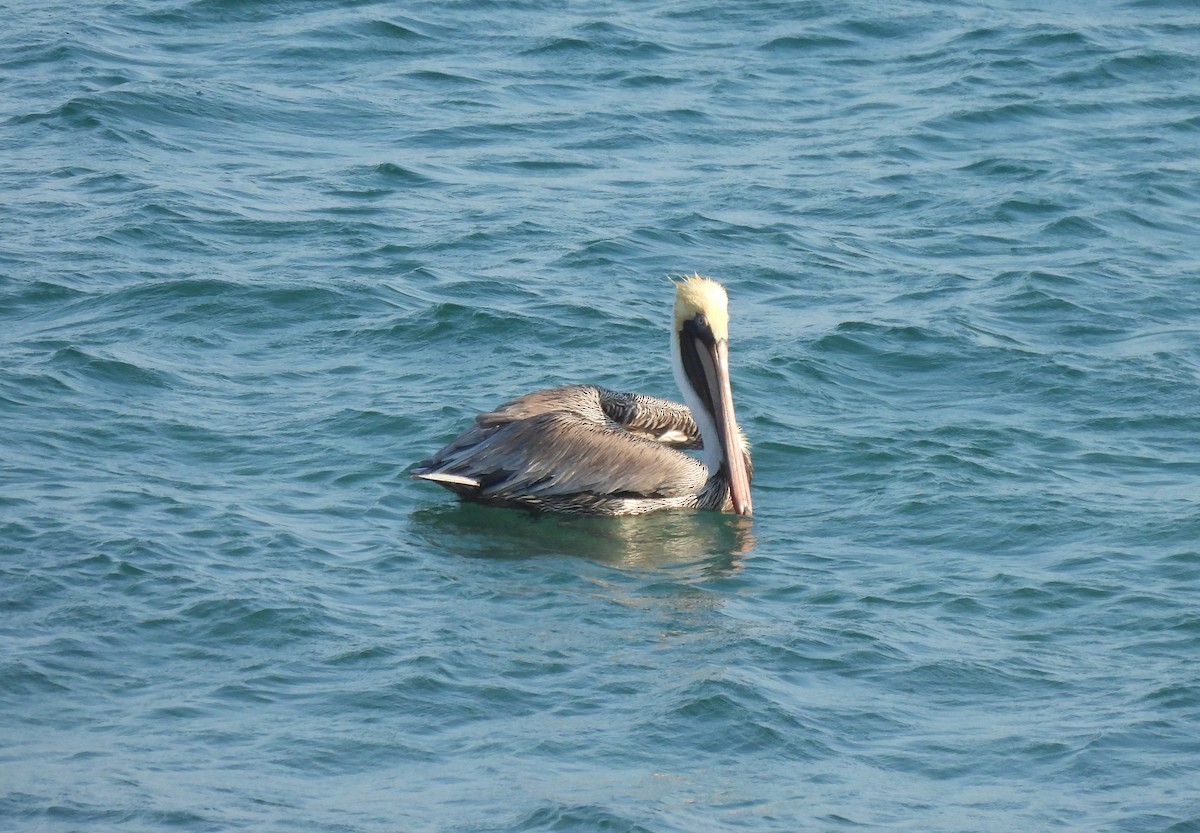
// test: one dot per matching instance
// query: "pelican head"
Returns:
(701, 361)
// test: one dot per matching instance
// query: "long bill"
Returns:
(714, 361)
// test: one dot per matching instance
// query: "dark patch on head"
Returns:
(694, 333)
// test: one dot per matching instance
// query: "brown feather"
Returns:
(579, 443)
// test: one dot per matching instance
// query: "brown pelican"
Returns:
(590, 450)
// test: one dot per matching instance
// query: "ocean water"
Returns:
(258, 258)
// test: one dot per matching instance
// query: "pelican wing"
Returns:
(661, 420)
(581, 400)
(557, 453)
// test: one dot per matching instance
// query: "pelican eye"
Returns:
(698, 327)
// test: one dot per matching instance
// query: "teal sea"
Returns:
(258, 258)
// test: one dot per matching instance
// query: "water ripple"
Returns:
(258, 263)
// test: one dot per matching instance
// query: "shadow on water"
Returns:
(656, 540)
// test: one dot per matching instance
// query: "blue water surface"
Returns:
(257, 258)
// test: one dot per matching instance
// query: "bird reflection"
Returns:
(714, 543)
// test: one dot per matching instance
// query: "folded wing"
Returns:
(580, 440)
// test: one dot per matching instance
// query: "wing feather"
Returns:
(661, 420)
(556, 453)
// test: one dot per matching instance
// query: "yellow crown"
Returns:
(695, 295)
